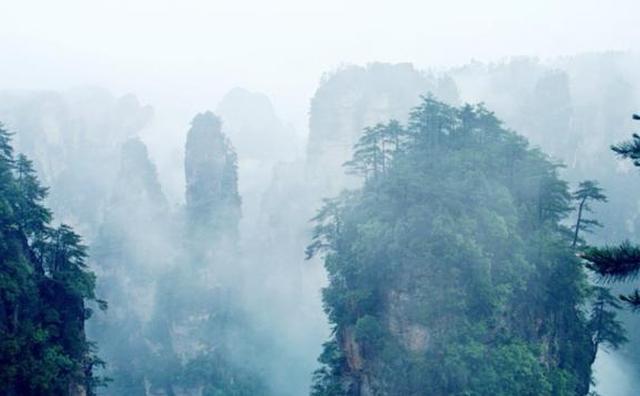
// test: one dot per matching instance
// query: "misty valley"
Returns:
(462, 231)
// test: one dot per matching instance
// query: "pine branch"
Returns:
(633, 300)
(614, 263)
(629, 149)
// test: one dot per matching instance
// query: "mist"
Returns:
(249, 240)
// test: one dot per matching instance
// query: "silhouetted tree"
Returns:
(588, 190)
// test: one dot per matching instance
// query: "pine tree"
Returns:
(588, 190)
(368, 155)
(629, 149)
(375, 149)
(431, 122)
(619, 263)
(616, 264)
(605, 326)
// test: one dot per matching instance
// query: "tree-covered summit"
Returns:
(451, 271)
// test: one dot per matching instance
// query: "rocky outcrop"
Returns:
(414, 337)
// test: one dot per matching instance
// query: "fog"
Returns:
(182, 58)
(199, 50)
(191, 143)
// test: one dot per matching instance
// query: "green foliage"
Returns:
(510, 369)
(375, 149)
(369, 333)
(615, 263)
(605, 326)
(327, 379)
(219, 377)
(450, 270)
(629, 149)
(619, 263)
(44, 285)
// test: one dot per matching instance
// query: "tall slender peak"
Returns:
(211, 174)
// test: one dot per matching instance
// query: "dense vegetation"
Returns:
(44, 288)
(451, 270)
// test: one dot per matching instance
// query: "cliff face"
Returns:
(450, 271)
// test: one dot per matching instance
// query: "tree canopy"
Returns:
(451, 271)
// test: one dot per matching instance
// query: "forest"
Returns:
(216, 205)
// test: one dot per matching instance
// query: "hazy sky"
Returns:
(185, 55)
